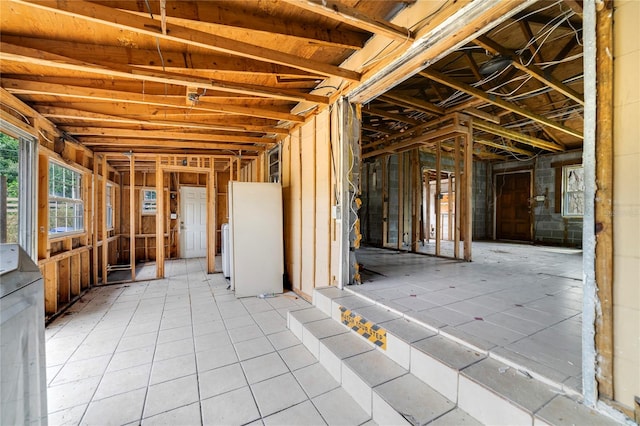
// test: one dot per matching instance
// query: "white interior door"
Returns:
(193, 222)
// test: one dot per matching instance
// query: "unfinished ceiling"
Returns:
(234, 77)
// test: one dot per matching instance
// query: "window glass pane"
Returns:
(573, 191)
(9, 168)
(66, 207)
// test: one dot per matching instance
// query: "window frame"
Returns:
(566, 202)
(148, 211)
(77, 203)
(109, 207)
(274, 161)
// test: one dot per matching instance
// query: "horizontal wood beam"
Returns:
(389, 115)
(516, 136)
(30, 87)
(76, 114)
(150, 134)
(413, 103)
(351, 16)
(103, 143)
(539, 74)
(26, 55)
(173, 60)
(228, 15)
(129, 22)
(470, 90)
(376, 129)
(503, 147)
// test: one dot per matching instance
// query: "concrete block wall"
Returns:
(481, 192)
(549, 227)
(371, 211)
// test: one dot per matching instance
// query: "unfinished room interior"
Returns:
(332, 212)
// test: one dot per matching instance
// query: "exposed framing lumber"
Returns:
(416, 104)
(539, 74)
(25, 55)
(30, 87)
(516, 136)
(238, 18)
(391, 116)
(132, 217)
(470, 90)
(149, 134)
(416, 187)
(457, 183)
(103, 219)
(144, 144)
(126, 21)
(468, 192)
(437, 197)
(350, 16)
(160, 219)
(604, 268)
(504, 147)
(85, 115)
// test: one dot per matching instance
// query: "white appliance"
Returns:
(23, 386)
(255, 238)
(226, 267)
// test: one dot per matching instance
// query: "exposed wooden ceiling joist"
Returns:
(27, 55)
(127, 21)
(30, 87)
(391, 116)
(233, 17)
(123, 143)
(76, 114)
(513, 149)
(354, 18)
(145, 134)
(516, 136)
(544, 77)
(413, 103)
(480, 94)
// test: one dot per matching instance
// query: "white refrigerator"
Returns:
(256, 252)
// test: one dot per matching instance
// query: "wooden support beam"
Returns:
(427, 207)
(150, 134)
(391, 116)
(416, 186)
(94, 222)
(376, 129)
(84, 115)
(449, 207)
(43, 207)
(102, 144)
(468, 192)
(456, 192)
(65, 91)
(122, 20)
(29, 56)
(354, 18)
(437, 197)
(212, 225)
(504, 147)
(103, 219)
(604, 267)
(516, 136)
(132, 216)
(470, 90)
(161, 215)
(534, 71)
(415, 104)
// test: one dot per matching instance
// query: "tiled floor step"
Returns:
(385, 390)
(462, 376)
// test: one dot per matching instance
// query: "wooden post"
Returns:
(604, 199)
(416, 181)
(427, 206)
(385, 202)
(94, 222)
(400, 200)
(437, 197)
(3, 209)
(468, 192)
(211, 219)
(456, 171)
(132, 216)
(160, 219)
(43, 207)
(103, 220)
(449, 207)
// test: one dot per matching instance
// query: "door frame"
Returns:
(181, 242)
(495, 198)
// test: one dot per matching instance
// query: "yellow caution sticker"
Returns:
(367, 329)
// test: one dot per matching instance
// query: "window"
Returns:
(109, 209)
(148, 201)
(573, 191)
(66, 208)
(274, 164)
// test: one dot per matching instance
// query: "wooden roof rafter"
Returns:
(351, 16)
(123, 20)
(29, 87)
(246, 20)
(38, 57)
(79, 132)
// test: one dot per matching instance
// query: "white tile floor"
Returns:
(185, 351)
(521, 302)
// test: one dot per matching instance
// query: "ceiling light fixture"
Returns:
(495, 64)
